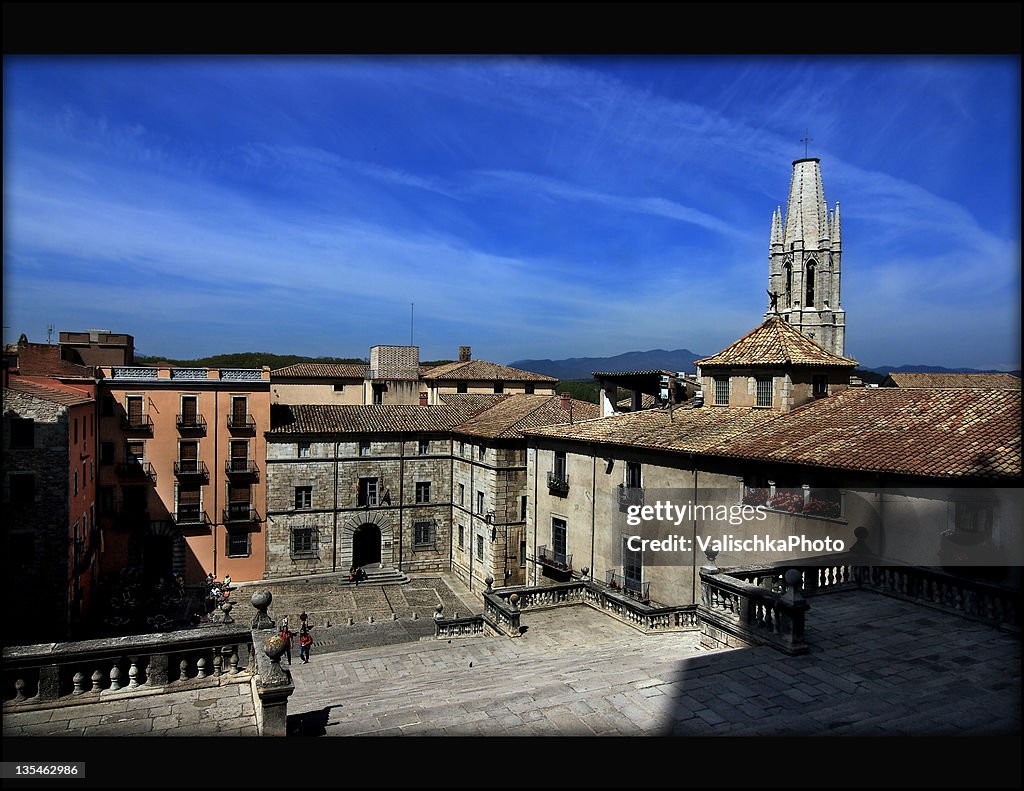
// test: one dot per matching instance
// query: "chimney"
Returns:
(566, 399)
(465, 354)
(423, 399)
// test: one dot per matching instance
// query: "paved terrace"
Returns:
(877, 666)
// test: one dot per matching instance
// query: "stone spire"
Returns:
(776, 227)
(806, 208)
(836, 237)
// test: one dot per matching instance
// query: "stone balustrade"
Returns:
(470, 626)
(735, 612)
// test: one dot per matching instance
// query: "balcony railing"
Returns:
(560, 561)
(241, 422)
(191, 515)
(187, 468)
(241, 467)
(137, 422)
(629, 496)
(558, 482)
(137, 469)
(240, 512)
(641, 591)
(191, 423)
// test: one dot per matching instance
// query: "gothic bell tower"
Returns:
(805, 253)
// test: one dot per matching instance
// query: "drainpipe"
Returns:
(216, 466)
(593, 506)
(334, 537)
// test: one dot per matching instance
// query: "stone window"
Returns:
(239, 545)
(528, 388)
(483, 452)
(809, 302)
(304, 542)
(499, 387)
(461, 387)
(522, 554)
(304, 450)
(75, 478)
(303, 497)
(422, 491)
(462, 448)
(22, 432)
(339, 388)
(522, 508)
(479, 502)
(479, 547)
(462, 494)
(462, 536)
(559, 536)
(364, 448)
(424, 447)
(74, 431)
(722, 390)
(366, 491)
(423, 534)
(820, 385)
(23, 488)
(764, 391)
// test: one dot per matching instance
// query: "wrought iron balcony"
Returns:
(241, 422)
(240, 512)
(191, 515)
(192, 423)
(137, 423)
(560, 561)
(641, 591)
(137, 469)
(191, 468)
(630, 495)
(241, 467)
(558, 483)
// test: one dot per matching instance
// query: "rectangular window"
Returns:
(722, 390)
(483, 451)
(106, 453)
(522, 508)
(479, 502)
(135, 452)
(303, 496)
(304, 541)
(632, 566)
(461, 387)
(189, 504)
(239, 455)
(92, 469)
(188, 456)
(367, 491)
(462, 494)
(238, 543)
(339, 388)
(528, 388)
(462, 448)
(462, 536)
(189, 410)
(424, 447)
(23, 488)
(559, 538)
(74, 431)
(239, 411)
(522, 554)
(560, 465)
(499, 387)
(422, 492)
(135, 413)
(634, 478)
(820, 385)
(364, 448)
(76, 482)
(303, 450)
(479, 547)
(423, 534)
(764, 391)
(22, 432)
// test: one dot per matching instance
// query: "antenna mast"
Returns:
(412, 310)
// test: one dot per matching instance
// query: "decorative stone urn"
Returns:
(261, 600)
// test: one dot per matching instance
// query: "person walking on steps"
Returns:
(305, 643)
(287, 635)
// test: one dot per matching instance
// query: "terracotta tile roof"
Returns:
(481, 370)
(775, 342)
(472, 402)
(68, 396)
(364, 419)
(627, 374)
(518, 413)
(936, 433)
(953, 380)
(647, 401)
(944, 433)
(322, 371)
(688, 430)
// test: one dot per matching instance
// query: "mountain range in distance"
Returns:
(575, 368)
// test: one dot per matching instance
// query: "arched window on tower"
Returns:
(789, 285)
(810, 285)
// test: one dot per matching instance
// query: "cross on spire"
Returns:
(805, 139)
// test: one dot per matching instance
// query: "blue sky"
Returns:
(530, 207)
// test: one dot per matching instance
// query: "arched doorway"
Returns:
(366, 545)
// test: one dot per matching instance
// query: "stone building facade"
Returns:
(51, 536)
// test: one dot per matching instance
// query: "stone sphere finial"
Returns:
(513, 601)
(489, 581)
(794, 578)
(262, 600)
(274, 646)
(226, 609)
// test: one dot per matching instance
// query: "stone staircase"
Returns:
(378, 575)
